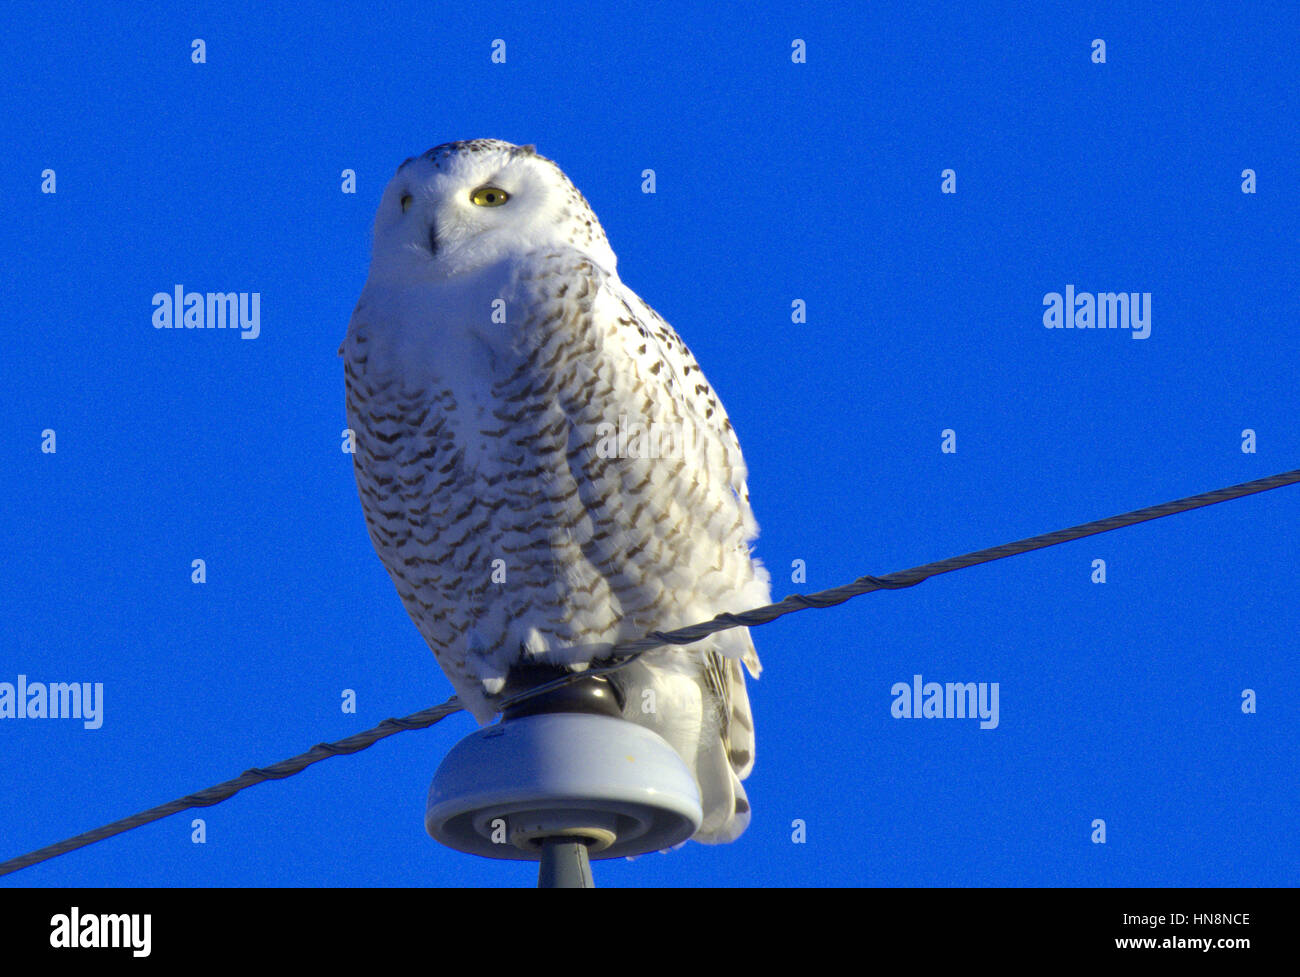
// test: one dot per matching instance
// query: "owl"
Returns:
(543, 468)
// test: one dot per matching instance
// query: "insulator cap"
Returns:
(617, 786)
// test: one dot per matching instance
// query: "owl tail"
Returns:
(698, 703)
(723, 760)
(726, 808)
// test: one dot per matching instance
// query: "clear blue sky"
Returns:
(776, 181)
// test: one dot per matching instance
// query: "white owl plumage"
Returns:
(495, 365)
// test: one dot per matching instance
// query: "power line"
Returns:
(219, 793)
(628, 651)
(622, 654)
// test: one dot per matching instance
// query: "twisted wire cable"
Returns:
(622, 654)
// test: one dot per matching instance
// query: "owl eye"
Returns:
(489, 197)
(406, 202)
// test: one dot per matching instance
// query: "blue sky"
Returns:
(776, 181)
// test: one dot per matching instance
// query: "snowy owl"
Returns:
(543, 468)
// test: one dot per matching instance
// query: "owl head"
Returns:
(466, 205)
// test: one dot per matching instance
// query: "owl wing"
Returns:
(689, 506)
(713, 492)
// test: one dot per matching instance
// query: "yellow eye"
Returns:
(406, 202)
(489, 197)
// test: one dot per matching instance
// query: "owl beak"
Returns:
(433, 238)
